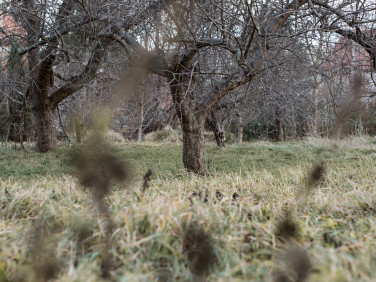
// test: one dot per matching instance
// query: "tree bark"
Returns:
(191, 116)
(45, 129)
(193, 147)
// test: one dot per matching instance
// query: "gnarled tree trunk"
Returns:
(191, 117)
(45, 129)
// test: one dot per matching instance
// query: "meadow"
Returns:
(264, 211)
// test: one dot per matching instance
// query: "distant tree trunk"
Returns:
(79, 128)
(279, 126)
(217, 129)
(280, 131)
(315, 108)
(240, 129)
(140, 122)
(316, 83)
(338, 130)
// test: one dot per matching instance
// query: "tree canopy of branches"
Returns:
(204, 48)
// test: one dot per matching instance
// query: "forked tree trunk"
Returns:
(217, 129)
(193, 147)
(219, 136)
(45, 129)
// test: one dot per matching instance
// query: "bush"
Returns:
(167, 134)
(114, 137)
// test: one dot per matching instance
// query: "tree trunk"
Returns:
(315, 110)
(45, 129)
(140, 122)
(193, 147)
(217, 129)
(240, 129)
(280, 131)
(279, 136)
(79, 128)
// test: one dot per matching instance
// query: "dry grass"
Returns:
(165, 135)
(333, 220)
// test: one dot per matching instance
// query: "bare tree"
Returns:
(50, 29)
(236, 37)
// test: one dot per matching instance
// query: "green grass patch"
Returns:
(254, 200)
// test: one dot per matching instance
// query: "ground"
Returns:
(263, 212)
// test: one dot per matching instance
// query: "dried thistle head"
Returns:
(97, 166)
(198, 247)
(316, 175)
(287, 228)
(44, 265)
(294, 264)
(219, 195)
(235, 196)
(147, 177)
(330, 240)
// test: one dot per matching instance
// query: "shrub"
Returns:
(167, 134)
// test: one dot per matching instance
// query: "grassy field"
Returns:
(264, 212)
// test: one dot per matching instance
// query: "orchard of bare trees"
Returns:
(259, 69)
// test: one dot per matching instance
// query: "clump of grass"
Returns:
(114, 137)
